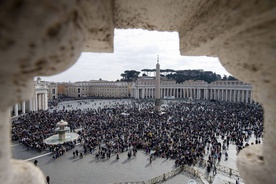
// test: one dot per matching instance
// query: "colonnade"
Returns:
(231, 93)
(38, 102)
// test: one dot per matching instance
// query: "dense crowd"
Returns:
(183, 131)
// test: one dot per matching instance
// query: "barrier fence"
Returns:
(165, 176)
(203, 177)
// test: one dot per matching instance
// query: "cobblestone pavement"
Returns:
(69, 170)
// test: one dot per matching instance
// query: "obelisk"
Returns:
(157, 86)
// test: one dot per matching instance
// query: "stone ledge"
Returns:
(252, 166)
(25, 172)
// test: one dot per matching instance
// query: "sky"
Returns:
(135, 49)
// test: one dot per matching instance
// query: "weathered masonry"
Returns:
(45, 37)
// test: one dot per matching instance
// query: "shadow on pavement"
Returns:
(114, 161)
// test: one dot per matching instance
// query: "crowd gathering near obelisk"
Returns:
(185, 132)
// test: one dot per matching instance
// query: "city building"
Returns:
(98, 88)
(52, 90)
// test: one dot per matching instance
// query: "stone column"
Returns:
(30, 104)
(16, 110)
(242, 95)
(172, 90)
(46, 101)
(23, 107)
(42, 101)
(36, 102)
(198, 93)
(215, 94)
(246, 101)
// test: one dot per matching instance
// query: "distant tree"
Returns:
(146, 70)
(179, 76)
(124, 75)
(130, 75)
(218, 77)
(230, 77)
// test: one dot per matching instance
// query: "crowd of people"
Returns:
(185, 132)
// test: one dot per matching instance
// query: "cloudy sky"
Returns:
(135, 50)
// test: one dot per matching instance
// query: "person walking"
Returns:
(48, 179)
(214, 170)
(35, 162)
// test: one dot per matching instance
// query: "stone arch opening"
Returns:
(45, 38)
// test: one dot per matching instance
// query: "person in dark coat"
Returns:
(48, 179)
(35, 162)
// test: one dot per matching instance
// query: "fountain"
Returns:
(63, 134)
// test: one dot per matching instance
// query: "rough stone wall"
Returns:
(46, 37)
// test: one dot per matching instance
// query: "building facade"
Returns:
(232, 91)
(52, 90)
(39, 100)
(98, 88)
